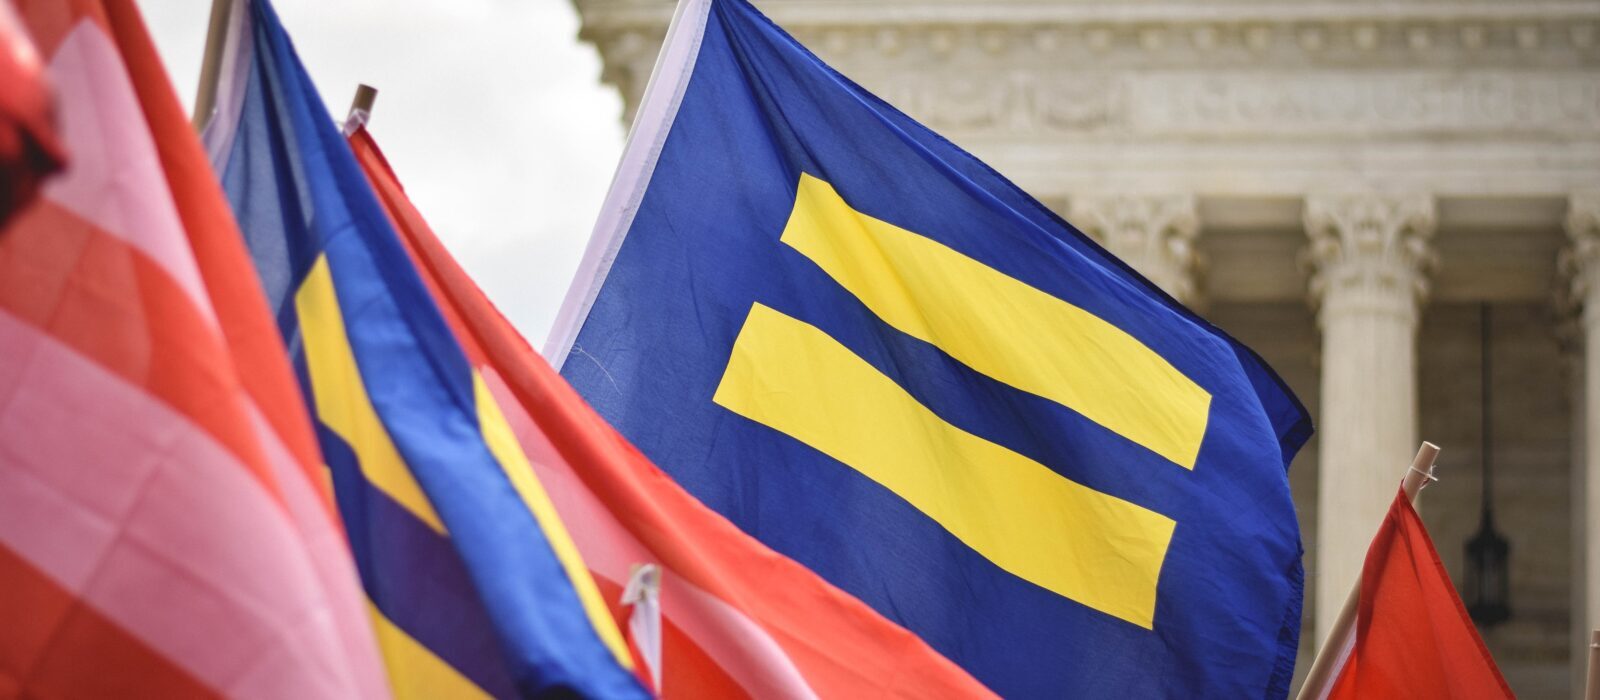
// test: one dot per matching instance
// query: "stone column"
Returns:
(1154, 234)
(1581, 262)
(630, 57)
(1569, 339)
(1371, 257)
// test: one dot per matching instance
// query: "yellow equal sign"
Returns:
(1000, 326)
(1091, 547)
(1097, 549)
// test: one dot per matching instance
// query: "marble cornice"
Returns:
(853, 12)
(1547, 33)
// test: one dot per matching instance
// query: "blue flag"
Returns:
(476, 588)
(884, 360)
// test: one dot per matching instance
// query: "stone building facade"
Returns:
(1339, 184)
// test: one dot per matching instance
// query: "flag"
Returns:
(740, 619)
(29, 146)
(886, 362)
(1413, 638)
(476, 587)
(164, 528)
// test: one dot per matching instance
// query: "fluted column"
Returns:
(1154, 234)
(1371, 257)
(1569, 339)
(1581, 262)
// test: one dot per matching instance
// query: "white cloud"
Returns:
(491, 112)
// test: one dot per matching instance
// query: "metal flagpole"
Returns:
(205, 94)
(1341, 637)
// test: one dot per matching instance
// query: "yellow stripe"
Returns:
(508, 452)
(341, 396)
(1101, 551)
(1000, 326)
(414, 672)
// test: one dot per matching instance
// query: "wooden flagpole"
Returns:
(205, 94)
(360, 108)
(1333, 648)
(1593, 691)
(366, 95)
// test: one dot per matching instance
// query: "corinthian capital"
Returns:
(1579, 262)
(1582, 255)
(1153, 233)
(1370, 252)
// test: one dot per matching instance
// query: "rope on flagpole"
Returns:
(205, 94)
(1336, 648)
(360, 108)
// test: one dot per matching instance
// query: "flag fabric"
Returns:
(475, 585)
(164, 528)
(29, 146)
(735, 618)
(885, 361)
(1413, 637)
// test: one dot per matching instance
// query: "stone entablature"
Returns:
(1257, 98)
(903, 39)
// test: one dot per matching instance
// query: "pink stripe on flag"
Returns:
(114, 179)
(157, 527)
(330, 556)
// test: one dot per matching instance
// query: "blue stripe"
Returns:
(414, 576)
(299, 193)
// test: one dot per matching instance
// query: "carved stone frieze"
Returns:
(1027, 102)
(1542, 32)
(1370, 252)
(1184, 66)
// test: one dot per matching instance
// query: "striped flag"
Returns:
(476, 586)
(736, 618)
(29, 146)
(164, 531)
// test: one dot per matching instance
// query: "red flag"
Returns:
(1413, 636)
(737, 619)
(164, 529)
(29, 148)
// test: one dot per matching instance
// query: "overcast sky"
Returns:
(491, 112)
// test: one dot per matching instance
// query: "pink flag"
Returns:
(164, 529)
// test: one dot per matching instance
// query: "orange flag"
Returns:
(164, 527)
(1413, 636)
(735, 618)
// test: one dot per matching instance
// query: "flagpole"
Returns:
(1336, 647)
(205, 94)
(1593, 692)
(360, 108)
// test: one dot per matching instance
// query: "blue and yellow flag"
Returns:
(476, 588)
(884, 360)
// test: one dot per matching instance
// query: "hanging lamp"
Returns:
(1487, 586)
